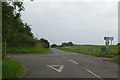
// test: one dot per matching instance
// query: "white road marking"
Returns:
(64, 57)
(94, 74)
(75, 53)
(53, 67)
(72, 61)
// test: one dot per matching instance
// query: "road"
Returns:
(63, 64)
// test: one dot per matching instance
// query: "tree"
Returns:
(118, 44)
(15, 33)
(53, 45)
(64, 44)
(10, 15)
(70, 44)
(67, 44)
(45, 43)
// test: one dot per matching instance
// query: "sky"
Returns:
(81, 22)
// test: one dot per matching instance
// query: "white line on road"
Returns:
(53, 67)
(72, 61)
(75, 53)
(94, 74)
(64, 57)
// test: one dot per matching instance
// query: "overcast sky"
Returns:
(79, 22)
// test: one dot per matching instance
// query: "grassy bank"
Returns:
(28, 50)
(112, 51)
(32, 49)
(12, 69)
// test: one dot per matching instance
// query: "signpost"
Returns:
(107, 41)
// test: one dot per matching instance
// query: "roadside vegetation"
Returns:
(17, 38)
(111, 52)
(17, 35)
(29, 50)
(12, 69)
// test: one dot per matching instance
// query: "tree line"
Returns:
(63, 44)
(16, 33)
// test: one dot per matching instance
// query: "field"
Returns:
(111, 52)
(12, 69)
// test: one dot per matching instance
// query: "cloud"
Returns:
(80, 22)
(73, 0)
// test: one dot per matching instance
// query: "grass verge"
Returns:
(112, 51)
(28, 50)
(12, 69)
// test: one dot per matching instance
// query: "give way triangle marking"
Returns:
(57, 68)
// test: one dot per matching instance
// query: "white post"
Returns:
(111, 42)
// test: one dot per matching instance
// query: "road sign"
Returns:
(107, 39)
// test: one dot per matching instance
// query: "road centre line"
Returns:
(72, 61)
(64, 57)
(94, 74)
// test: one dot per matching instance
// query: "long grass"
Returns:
(12, 69)
(32, 49)
(112, 51)
(28, 50)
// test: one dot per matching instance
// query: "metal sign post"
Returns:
(107, 41)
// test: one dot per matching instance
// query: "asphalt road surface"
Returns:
(63, 64)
